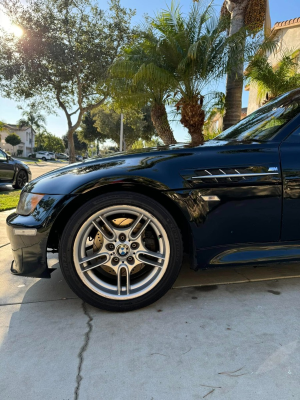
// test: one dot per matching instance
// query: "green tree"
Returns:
(89, 133)
(1, 128)
(53, 143)
(139, 79)
(13, 139)
(40, 138)
(137, 124)
(80, 146)
(251, 14)
(142, 144)
(273, 81)
(63, 57)
(197, 52)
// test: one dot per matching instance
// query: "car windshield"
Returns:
(265, 123)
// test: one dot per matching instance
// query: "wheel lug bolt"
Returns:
(110, 246)
(130, 259)
(134, 245)
(115, 259)
(122, 237)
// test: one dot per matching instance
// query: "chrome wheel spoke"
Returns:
(142, 228)
(90, 258)
(119, 276)
(89, 267)
(139, 255)
(108, 226)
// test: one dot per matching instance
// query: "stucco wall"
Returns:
(25, 145)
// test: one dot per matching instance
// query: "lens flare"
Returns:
(9, 27)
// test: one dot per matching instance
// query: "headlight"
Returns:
(28, 202)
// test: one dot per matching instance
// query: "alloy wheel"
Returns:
(121, 252)
(21, 179)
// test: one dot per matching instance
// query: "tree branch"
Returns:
(64, 108)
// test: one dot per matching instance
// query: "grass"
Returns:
(9, 200)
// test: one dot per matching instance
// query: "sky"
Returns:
(280, 11)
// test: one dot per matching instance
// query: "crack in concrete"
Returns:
(83, 349)
(37, 301)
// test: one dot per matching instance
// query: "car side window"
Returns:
(264, 123)
(2, 156)
(294, 137)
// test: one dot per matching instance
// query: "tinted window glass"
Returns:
(264, 123)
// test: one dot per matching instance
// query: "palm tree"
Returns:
(272, 82)
(215, 111)
(252, 14)
(197, 51)
(140, 78)
(34, 120)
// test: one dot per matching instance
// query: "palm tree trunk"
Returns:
(192, 117)
(160, 121)
(235, 81)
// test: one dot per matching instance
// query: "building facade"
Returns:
(287, 33)
(27, 136)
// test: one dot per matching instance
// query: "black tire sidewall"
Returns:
(17, 186)
(101, 202)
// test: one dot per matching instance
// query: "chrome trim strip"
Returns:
(234, 175)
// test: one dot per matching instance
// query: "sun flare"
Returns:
(9, 27)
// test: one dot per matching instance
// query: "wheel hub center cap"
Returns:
(123, 250)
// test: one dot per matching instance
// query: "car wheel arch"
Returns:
(162, 198)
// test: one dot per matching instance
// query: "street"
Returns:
(221, 334)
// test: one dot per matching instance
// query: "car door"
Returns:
(290, 161)
(238, 192)
(240, 185)
(7, 168)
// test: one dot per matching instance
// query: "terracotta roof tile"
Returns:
(289, 22)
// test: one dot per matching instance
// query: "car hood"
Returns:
(20, 163)
(159, 164)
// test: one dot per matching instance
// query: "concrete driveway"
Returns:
(220, 341)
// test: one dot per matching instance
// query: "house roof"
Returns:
(287, 23)
(16, 127)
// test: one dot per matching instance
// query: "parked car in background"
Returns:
(52, 154)
(44, 155)
(13, 172)
(62, 156)
(121, 224)
(79, 158)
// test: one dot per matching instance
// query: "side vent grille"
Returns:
(224, 171)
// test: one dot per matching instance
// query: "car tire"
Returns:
(157, 260)
(21, 179)
(44, 159)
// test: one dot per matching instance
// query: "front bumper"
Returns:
(30, 252)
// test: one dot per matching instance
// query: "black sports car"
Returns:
(121, 224)
(13, 172)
